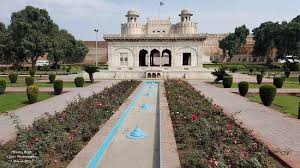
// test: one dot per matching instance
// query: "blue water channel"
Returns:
(146, 87)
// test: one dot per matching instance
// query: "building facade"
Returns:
(160, 48)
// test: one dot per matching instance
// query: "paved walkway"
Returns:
(279, 131)
(31, 112)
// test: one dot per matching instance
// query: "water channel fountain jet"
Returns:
(145, 106)
(137, 133)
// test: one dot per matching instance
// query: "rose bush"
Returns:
(206, 137)
(56, 140)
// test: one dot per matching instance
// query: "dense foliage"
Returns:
(79, 81)
(33, 34)
(206, 137)
(282, 37)
(56, 140)
(13, 77)
(2, 85)
(58, 86)
(29, 80)
(243, 88)
(227, 81)
(278, 81)
(32, 93)
(267, 94)
(233, 42)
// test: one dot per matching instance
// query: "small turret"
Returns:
(185, 15)
(132, 16)
(132, 27)
(186, 26)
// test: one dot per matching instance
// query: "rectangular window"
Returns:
(186, 59)
(124, 59)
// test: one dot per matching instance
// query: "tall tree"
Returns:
(233, 42)
(31, 30)
(3, 33)
(264, 37)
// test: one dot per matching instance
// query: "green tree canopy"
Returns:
(233, 42)
(31, 30)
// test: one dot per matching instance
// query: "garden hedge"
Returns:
(278, 81)
(259, 78)
(2, 85)
(267, 94)
(58, 86)
(79, 81)
(227, 81)
(29, 80)
(206, 137)
(51, 77)
(243, 88)
(56, 139)
(32, 93)
(13, 77)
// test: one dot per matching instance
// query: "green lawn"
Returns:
(289, 83)
(282, 103)
(11, 101)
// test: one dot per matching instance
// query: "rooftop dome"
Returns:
(132, 13)
(185, 12)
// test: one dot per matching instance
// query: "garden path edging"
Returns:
(168, 149)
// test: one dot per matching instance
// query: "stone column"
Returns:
(160, 55)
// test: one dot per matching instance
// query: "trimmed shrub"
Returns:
(2, 86)
(278, 82)
(267, 94)
(51, 78)
(259, 78)
(91, 69)
(32, 72)
(58, 86)
(287, 73)
(79, 81)
(243, 88)
(251, 70)
(13, 77)
(32, 93)
(68, 69)
(227, 81)
(233, 69)
(29, 80)
(2, 69)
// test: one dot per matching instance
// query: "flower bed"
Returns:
(54, 141)
(206, 137)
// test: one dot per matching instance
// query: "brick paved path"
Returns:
(29, 113)
(277, 130)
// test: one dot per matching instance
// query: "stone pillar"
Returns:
(160, 58)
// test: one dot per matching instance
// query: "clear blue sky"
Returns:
(80, 17)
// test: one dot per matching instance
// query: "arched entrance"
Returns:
(154, 57)
(166, 57)
(142, 57)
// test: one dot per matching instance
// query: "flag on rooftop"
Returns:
(161, 4)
